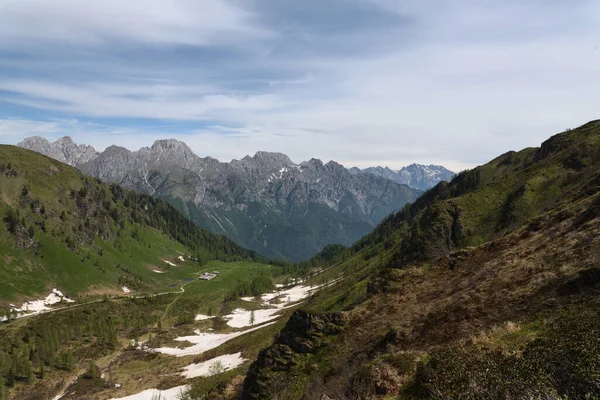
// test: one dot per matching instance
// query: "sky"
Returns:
(361, 82)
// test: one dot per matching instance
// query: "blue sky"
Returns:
(362, 82)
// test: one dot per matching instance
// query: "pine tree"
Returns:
(10, 377)
(92, 371)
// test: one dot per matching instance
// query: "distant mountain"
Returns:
(64, 150)
(266, 203)
(417, 176)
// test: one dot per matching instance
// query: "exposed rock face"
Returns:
(64, 150)
(416, 176)
(303, 335)
(266, 202)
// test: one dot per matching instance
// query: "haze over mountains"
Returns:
(416, 176)
(266, 202)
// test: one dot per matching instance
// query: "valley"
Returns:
(485, 286)
(265, 203)
(299, 200)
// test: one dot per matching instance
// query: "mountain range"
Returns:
(266, 203)
(417, 176)
(485, 287)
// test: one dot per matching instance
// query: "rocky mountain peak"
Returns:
(334, 166)
(417, 176)
(63, 149)
(115, 150)
(66, 141)
(170, 152)
(313, 163)
(169, 144)
(265, 202)
(276, 158)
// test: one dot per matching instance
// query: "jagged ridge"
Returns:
(266, 202)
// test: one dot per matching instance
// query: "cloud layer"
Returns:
(364, 82)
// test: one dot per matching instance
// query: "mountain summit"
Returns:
(417, 176)
(64, 149)
(264, 202)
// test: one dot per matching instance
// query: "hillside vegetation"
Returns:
(62, 229)
(485, 287)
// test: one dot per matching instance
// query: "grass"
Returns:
(138, 318)
(489, 282)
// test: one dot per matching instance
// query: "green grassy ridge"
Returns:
(63, 229)
(486, 202)
(535, 194)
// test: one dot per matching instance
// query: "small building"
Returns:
(207, 276)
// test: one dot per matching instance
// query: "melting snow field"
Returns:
(38, 306)
(240, 318)
(151, 394)
(291, 295)
(202, 342)
(213, 366)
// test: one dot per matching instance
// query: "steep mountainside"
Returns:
(62, 229)
(484, 288)
(266, 203)
(416, 176)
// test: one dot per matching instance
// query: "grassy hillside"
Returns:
(485, 287)
(62, 229)
(42, 355)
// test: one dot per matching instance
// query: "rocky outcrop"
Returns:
(303, 335)
(64, 150)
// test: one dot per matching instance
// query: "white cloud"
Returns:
(459, 84)
(99, 21)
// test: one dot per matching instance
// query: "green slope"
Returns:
(62, 229)
(485, 287)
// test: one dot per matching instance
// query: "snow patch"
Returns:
(213, 366)
(170, 263)
(294, 294)
(201, 317)
(202, 342)
(158, 272)
(250, 298)
(125, 289)
(169, 394)
(240, 318)
(39, 306)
